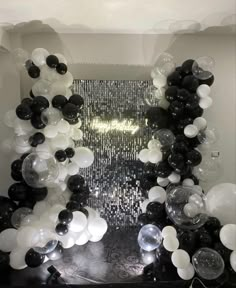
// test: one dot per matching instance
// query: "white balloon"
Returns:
(67, 240)
(83, 157)
(60, 142)
(78, 125)
(206, 102)
(9, 118)
(79, 222)
(180, 259)
(92, 213)
(221, 202)
(96, 238)
(154, 156)
(233, 260)
(49, 74)
(83, 238)
(203, 90)
(228, 236)
(158, 194)
(22, 127)
(197, 189)
(8, 240)
(63, 127)
(200, 123)
(41, 207)
(61, 58)
(29, 220)
(160, 80)
(171, 243)
(27, 236)
(39, 56)
(187, 273)
(68, 93)
(164, 104)
(67, 79)
(44, 149)
(162, 181)
(154, 144)
(191, 131)
(62, 173)
(97, 227)
(76, 134)
(188, 182)
(72, 168)
(191, 210)
(197, 200)
(17, 258)
(41, 88)
(57, 88)
(144, 155)
(54, 211)
(174, 178)
(168, 230)
(144, 204)
(50, 131)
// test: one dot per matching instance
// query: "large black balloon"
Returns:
(176, 161)
(37, 122)
(186, 67)
(18, 191)
(195, 112)
(183, 95)
(194, 157)
(39, 104)
(34, 259)
(16, 166)
(155, 210)
(59, 101)
(171, 93)
(157, 118)
(204, 239)
(4, 261)
(180, 147)
(163, 169)
(176, 109)
(208, 81)
(65, 216)
(223, 251)
(17, 176)
(190, 83)
(75, 182)
(73, 206)
(182, 123)
(52, 61)
(24, 112)
(174, 79)
(38, 194)
(212, 224)
(7, 207)
(188, 241)
(29, 203)
(77, 100)
(57, 253)
(70, 111)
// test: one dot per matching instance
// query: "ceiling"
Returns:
(120, 16)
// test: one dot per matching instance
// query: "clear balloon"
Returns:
(19, 215)
(48, 248)
(39, 56)
(20, 56)
(218, 206)
(51, 116)
(176, 200)
(153, 95)
(165, 137)
(9, 118)
(164, 64)
(203, 67)
(207, 136)
(39, 170)
(76, 134)
(208, 263)
(41, 88)
(147, 257)
(149, 237)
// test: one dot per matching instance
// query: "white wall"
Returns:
(110, 56)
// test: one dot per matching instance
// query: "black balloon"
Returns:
(31, 94)
(183, 95)
(57, 253)
(155, 210)
(174, 79)
(193, 142)
(77, 100)
(186, 67)
(80, 198)
(195, 112)
(16, 166)
(27, 101)
(18, 191)
(65, 216)
(4, 260)
(70, 111)
(36, 139)
(61, 229)
(208, 81)
(73, 206)
(171, 93)
(34, 72)
(74, 183)
(190, 83)
(176, 161)
(194, 157)
(176, 109)
(73, 121)
(59, 101)
(163, 169)
(23, 156)
(182, 123)
(84, 210)
(7, 207)
(17, 176)
(38, 194)
(143, 219)
(60, 155)
(39, 104)
(179, 147)
(212, 224)
(223, 251)
(188, 241)
(61, 68)
(52, 61)
(29, 203)
(70, 152)
(34, 259)
(37, 122)
(204, 239)
(24, 112)
(157, 118)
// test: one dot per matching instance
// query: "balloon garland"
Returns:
(46, 210)
(178, 219)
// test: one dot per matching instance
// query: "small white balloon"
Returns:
(154, 144)
(48, 74)
(187, 273)
(50, 131)
(83, 237)
(200, 123)
(203, 91)
(67, 79)
(154, 156)
(96, 238)
(61, 141)
(57, 88)
(197, 189)
(228, 236)
(180, 259)
(169, 230)
(76, 134)
(72, 168)
(174, 178)
(197, 200)
(27, 237)
(144, 204)
(206, 102)
(160, 80)
(61, 58)
(171, 243)
(162, 181)
(191, 131)
(40, 207)
(144, 155)
(191, 210)
(67, 240)
(188, 182)
(41, 88)
(83, 157)
(8, 240)
(79, 222)
(63, 126)
(158, 194)
(54, 211)
(97, 226)
(17, 258)
(233, 260)
(39, 56)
